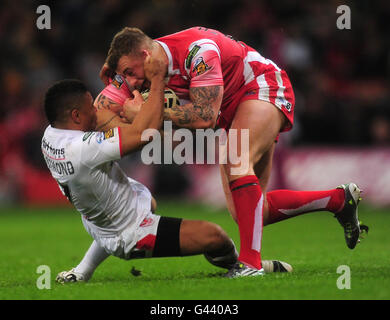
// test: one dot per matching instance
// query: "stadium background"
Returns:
(340, 78)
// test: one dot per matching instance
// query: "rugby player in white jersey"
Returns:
(116, 210)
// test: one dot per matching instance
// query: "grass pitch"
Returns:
(313, 244)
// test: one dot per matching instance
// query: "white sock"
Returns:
(92, 259)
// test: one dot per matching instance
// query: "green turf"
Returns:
(312, 243)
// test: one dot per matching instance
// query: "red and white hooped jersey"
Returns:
(205, 57)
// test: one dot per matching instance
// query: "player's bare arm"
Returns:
(150, 115)
(112, 122)
(107, 113)
(102, 102)
(202, 112)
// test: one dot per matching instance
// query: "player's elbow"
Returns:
(208, 122)
(205, 124)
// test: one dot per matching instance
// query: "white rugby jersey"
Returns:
(83, 164)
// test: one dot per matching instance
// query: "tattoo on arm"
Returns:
(203, 99)
(104, 103)
(100, 127)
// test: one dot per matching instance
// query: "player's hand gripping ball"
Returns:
(170, 98)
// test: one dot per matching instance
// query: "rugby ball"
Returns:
(170, 98)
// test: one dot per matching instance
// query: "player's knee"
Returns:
(244, 167)
(216, 237)
(265, 212)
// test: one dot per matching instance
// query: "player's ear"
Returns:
(145, 53)
(75, 115)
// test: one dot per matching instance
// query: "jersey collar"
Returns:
(171, 71)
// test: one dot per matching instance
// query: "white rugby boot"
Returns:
(70, 276)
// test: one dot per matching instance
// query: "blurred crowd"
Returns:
(340, 77)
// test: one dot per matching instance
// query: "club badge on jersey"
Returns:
(117, 81)
(191, 55)
(200, 66)
(104, 135)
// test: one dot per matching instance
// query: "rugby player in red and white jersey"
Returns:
(228, 84)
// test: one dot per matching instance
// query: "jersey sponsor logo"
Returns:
(191, 55)
(250, 93)
(288, 106)
(117, 81)
(200, 66)
(52, 152)
(104, 135)
(282, 102)
(87, 135)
